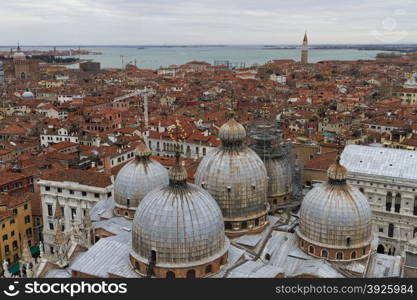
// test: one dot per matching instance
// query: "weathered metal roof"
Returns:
(335, 215)
(116, 226)
(378, 161)
(58, 273)
(103, 209)
(237, 179)
(182, 223)
(136, 179)
(255, 269)
(108, 254)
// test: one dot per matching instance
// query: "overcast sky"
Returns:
(140, 22)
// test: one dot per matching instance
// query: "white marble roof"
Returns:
(387, 162)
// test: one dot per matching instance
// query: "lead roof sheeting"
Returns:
(107, 253)
(58, 273)
(380, 161)
(249, 240)
(116, 225)
(318, 267)
(102, 209)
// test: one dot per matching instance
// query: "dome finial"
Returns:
(232, 133)
(142, 151)
(337, 173)
(177, 174)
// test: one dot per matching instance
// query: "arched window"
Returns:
(353, 255)
(311, 249)
(388, 202)
(339, 255)
(244, 225)
(170, 275)
(324, 253)
(209, 269)
(191, 273)
(380, 249)
(362, 190)
(397, 202)
(390, 230)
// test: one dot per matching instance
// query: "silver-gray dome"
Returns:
(332, 214)
(280, 176)
(237, 179)
(136, 179)
(182, 223)
(28, 95)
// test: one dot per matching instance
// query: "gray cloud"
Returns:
(46, 22)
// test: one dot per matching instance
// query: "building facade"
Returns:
(75, 191)
(15, 226)
(388, 178)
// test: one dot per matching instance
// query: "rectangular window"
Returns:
(59, 190)
(50, 213)
(27, 219)
(5, 237)
(25, 206)
(71, 192)
(84, 194)
(96, 195)
(73, 213)
(51, 226)
(47, 188)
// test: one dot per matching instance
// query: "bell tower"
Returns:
(304, 50)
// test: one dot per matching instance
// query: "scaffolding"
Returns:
(267, 143)
(230, 65)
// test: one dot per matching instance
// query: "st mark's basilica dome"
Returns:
(178, 231)
(136, 179)
(237, 179)
(335, 219)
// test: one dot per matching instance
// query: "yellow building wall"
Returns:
(6, 228)
(20, 227)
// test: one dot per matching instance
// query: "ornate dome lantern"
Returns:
(135, 180)
(178, 231)
(236, 177)
(335, 219)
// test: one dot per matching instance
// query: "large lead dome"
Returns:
(178, 231)
(136, 179)
(236, 177)
(335, 219)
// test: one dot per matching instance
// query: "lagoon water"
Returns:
(154, 57)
